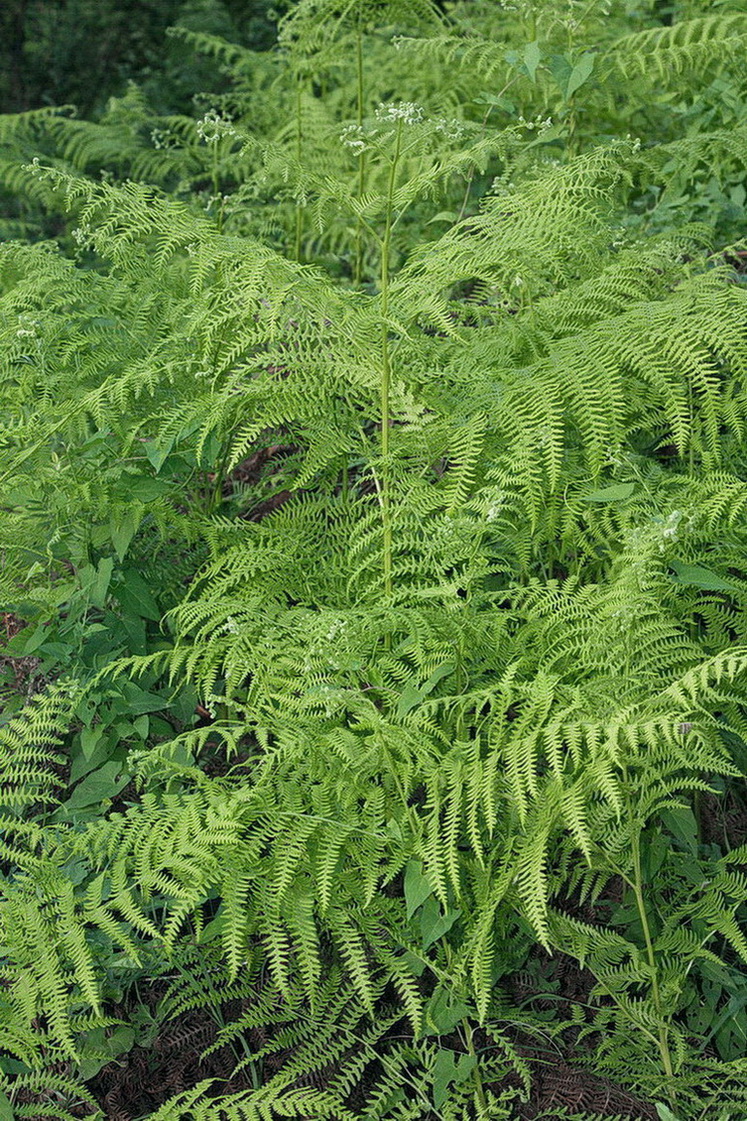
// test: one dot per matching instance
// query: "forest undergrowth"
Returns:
(373, 497)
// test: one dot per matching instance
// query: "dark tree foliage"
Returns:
(54, 52)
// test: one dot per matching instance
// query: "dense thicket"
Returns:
(373, 528)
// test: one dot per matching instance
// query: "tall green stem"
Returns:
(386, 372)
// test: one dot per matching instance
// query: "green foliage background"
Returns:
(373, 498)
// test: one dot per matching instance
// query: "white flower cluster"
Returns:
(406, 111)
(212, 127)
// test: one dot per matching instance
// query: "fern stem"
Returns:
(480, 1095)
(386, 372)
(362, 157)
(471, 175)
(637, 885)
(216, 492)
(299, 140)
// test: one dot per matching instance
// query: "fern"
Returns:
(468, 640)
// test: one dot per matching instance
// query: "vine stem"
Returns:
(386, 372)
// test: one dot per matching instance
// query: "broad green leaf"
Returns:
(443, 1014)
(496, 101)
(434, 924)
(158, 451)
(532, 58)
(100, 584)
(696, 576)
(665, 1113)
(561, 69)
(417, 887)
(123, 529)
(581, 73)
(140, 702)
(34, 641)
(98, 786)
(7, 1113)
(142, 724)
(136, 597)
(145, 488)
(616, 493)
(89, 738)
(446, 1069)
(408, 699)
(681, 824)
(412, 696)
